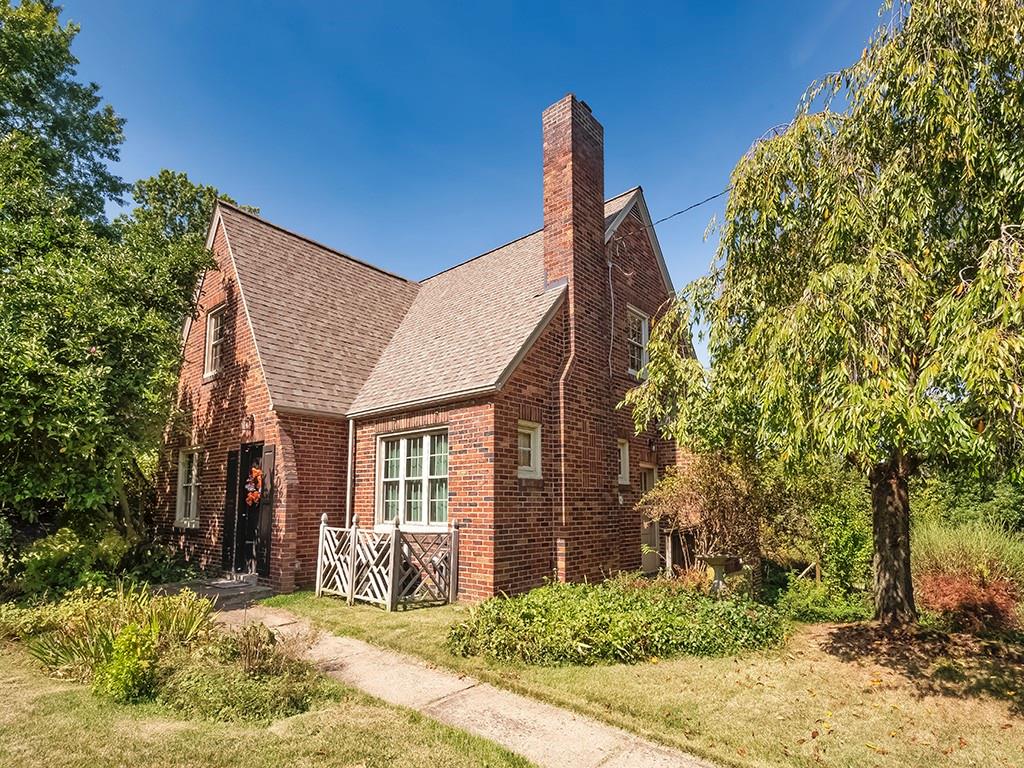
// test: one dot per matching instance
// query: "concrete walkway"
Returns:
(544, 734)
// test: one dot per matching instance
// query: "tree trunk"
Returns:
(890, 503)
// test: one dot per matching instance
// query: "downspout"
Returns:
(348, 472)
(566, 370)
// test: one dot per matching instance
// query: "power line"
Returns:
(706, 200)
(695, 205)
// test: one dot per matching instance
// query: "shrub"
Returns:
(22, 622)
(86, 641)
(970, 575)
(212, 690)
(982, 549)
(969, 604)
(59, 563)
(623, 620)
(248, 675)
(127, 676)
(806, 600)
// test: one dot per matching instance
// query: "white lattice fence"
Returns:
(393, 568)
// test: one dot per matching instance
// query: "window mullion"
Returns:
(403, 452)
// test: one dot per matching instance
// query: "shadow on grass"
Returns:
(938, 663)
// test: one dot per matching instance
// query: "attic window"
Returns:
(638, 329)
(214, 340)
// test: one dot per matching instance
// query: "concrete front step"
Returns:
(227, 594)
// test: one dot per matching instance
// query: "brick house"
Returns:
(484, 394)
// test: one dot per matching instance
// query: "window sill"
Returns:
(529, 474)
(409, 528)
(186, 526)
(208, 377)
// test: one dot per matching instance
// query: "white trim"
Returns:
(533, 470)
(623, 461)
(402, 479)
(188, 518)
(639, 201)
(248, 318)
(217, 312)
(645, 333)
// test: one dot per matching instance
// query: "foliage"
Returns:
(91, 332)
(971, 576)
(835, 506)
(82, 645)
(136, 646)
(955, 498)
(64, 561)
(625, 620)
(22, 622)
(128, 675)
(969, 603)
(68, 560)
(805, 600)
(979, 549)
(246, 675)
(866, 302)
(39, 96)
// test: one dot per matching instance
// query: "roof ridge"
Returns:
(629, 191)
(238, 209)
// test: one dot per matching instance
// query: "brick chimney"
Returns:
(573, 194)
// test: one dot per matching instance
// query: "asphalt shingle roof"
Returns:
(320, 318)
(337, 335)
(465, 328)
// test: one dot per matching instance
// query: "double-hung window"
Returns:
(529, 449)
(187, 512)
(638, 329)
(623, 462)
(413, 479)
(214, 340)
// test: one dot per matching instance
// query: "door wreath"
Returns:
(254, 487)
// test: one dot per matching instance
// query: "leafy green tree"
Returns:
(91, 331)
(39, 97)
(866, 300)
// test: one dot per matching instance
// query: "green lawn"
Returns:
(46, 722)
(836, 696)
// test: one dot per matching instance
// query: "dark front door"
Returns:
(249, 509)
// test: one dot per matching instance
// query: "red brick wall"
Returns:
(470, 481)
(232, 408)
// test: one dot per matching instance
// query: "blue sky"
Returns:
(409, 134)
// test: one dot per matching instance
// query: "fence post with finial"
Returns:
(353, 541)
(320, 555)
(394, 567)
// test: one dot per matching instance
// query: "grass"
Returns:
(835, 695)
(45, 722)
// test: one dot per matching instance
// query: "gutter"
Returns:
(349, 484)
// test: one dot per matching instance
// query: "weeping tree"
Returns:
(866, 300)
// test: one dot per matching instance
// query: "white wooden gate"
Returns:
(392, 568)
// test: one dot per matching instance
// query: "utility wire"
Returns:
(679, 212)
(691, 207)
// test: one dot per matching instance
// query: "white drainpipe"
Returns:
(348, 473)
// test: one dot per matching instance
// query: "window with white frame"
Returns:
(623, 462)
(529, 449)
(638, 328)
(214, 340)
(413, 479)
(187, 511)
